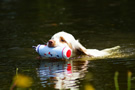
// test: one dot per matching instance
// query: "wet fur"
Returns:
(66, 39)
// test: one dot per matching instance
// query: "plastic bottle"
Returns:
(53, 52)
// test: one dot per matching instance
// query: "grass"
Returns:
(129, 74)
(116, 80)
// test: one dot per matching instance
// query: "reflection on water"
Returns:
(67, 74)
(61, 74)
(98, 24)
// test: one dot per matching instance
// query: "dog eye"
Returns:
(62, 39)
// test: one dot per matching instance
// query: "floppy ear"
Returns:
(79, 49)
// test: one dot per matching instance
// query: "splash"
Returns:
(115, 52)
(122, 52)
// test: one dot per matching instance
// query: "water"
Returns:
(97, 24)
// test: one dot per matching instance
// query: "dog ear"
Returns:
(79, 49)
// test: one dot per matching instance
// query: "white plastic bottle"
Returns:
(53, 52)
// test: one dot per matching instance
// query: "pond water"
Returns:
(97, 24)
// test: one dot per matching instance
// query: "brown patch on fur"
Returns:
(70, 45)
(80, 51)
(62, 40)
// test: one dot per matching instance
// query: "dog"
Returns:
(66, 39)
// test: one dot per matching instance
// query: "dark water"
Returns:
(97, 24)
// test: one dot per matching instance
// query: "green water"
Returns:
(97, 24)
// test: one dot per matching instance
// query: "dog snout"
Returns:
(51, 43)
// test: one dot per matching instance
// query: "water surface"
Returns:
(97, 24)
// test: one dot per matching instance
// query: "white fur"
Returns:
(76, 45)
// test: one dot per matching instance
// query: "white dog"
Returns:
(66, 39)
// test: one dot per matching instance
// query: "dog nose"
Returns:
(51, 43)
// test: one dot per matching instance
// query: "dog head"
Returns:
(61, 39)
(66, 39)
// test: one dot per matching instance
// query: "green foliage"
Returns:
(129, 74)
